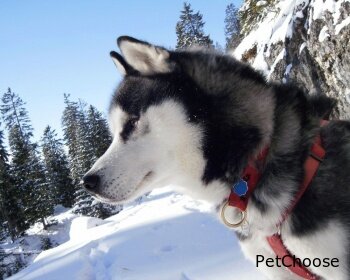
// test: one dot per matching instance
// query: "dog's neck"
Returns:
(237, 133)
(286, 124)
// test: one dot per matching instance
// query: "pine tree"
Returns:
(85, 203)
(70, 123)
(27, 169)
(232, 27)
(99, 139)
(99, 136)
(56, 169)
(41, 202)
(10, 212)
(87, 137)
(189, 29)
(85, 149)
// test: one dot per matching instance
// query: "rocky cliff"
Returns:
(306, 42)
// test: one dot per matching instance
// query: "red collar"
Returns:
(250, 178)
(250, 175)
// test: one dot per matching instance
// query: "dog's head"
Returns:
(162, 120)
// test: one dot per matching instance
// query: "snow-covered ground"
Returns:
(167, 236)
(26, 248)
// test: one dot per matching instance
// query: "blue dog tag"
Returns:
(240, 188)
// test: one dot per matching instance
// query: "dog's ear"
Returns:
(144, 57)
(123, 67)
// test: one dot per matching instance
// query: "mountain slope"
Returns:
(167, 236)
(301, 41)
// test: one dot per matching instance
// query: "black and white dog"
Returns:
(194, 118)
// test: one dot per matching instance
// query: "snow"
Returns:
(302, 46)
(276, 27)
(340, 26)
(320, 7)
(81, 224)
(31, 242)
(261, 3)
(168, 236)
(27, 247)
(260, 63)
(288, 68)
(347, 95)
(323, 34)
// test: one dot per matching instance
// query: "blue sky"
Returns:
(52, 47)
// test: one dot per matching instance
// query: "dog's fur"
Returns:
(193, 118)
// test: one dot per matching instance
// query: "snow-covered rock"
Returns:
(168, 236)
(301, 41)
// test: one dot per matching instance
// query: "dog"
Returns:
(194, 118)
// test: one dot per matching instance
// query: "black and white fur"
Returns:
(193, 118)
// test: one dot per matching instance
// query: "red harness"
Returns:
(251, 175)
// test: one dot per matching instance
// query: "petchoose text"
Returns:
(289, 261)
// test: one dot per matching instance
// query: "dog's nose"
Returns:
(90, 182)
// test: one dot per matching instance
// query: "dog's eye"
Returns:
(129, 127)
(133, 122)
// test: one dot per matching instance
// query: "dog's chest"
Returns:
(328, 243)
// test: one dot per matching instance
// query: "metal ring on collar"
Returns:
(227, 223)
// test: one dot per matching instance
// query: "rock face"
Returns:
(306, 42)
